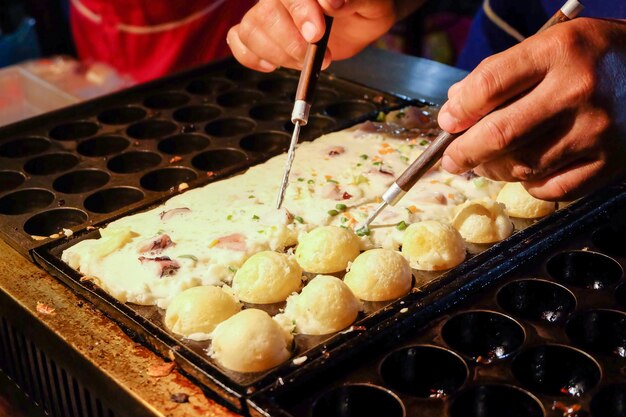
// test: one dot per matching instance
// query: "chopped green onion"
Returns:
(299, 219)
(479, 182)
(380, 117)
(192, 257)
(362, 231)
(300, 179)
(379, 163)
(400, 115)
(363, 157)
(232, 269)
(333, 212)
(359, 164)
(250, 196)
(310, 182)
(341, 207)
(229, 217)
(404, 158)
(255, 217)
(424, 142)
(401, 226)
(332, 180)
(260, 231)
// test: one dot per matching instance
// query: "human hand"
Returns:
(275, 33)
(547, 112)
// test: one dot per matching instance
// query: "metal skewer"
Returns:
(304, 97)
(435, 150)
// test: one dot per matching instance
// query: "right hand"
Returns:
(275, 33)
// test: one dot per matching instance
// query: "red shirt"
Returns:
(150, 38)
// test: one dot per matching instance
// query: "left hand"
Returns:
(549, 112)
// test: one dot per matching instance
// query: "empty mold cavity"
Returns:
(135, 161)
(166, 178)
(317, 124)
(26, 146)
(230, 127)
(151, 129)
(208, 86)
(537, 300)
(166, 100)
(239, 98)
(50, 163)
(81, 181)
(111, 199)
(350, 109)
(610, 401)
(611, 240)
(241, 74)
(602, 331)
(358, 400)
(584, 269)
(620, 291)
(285, 87)
(183, 144)
(74, 131)
(483, 335)
(53, 221)
(495, 401)
(271, 111)
(556, 370)
(102, 145)
(122, 115)
(266, 142)
(218, 159)
(10, 180)
(424, 371)
(324, 95)
(195, 114)
(25, 201)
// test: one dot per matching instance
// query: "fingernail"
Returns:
(309, 31)
(448, 164)
(266, 65)
(447, 122)
(336, 4)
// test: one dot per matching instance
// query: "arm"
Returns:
(547, 112)
(275, 33)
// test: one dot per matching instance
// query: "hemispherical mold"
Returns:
(25, 201)
(80, 181)
(610, 240)
(270, 111)
(610, 401)
(26, 146)
(495, 401)
(537, 300)
(556, 370)
(134, 161)
(151, 129)
(167, 178)
(316, 126)
(208, 86)
(351, 109)
(279, 86)
(265, 142)
(354, 400)
(483, 335)
(232, 126)
(183, 144)
(53, 221)
(424, 371)
(102, 145)
(74, 130)
(10, 180)
(218, 159)
(584, 269)
(239, 98)
(50, 163)
(602, 331)
(112, 199)
(324, 95)
(122, 115)
(195, 114)
(166, 100)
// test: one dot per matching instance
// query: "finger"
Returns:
(495, 81)
(268, 47)
(454, 89)
(244, 55)
(571, 182)
(502, 131)
(308, 17)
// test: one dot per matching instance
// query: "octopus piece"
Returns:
(164, 265)
(155, 245)
(168, 214)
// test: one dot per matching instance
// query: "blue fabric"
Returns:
(526, 16)
(19, 45)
